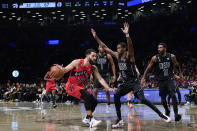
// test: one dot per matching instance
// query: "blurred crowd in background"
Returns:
(17, 92)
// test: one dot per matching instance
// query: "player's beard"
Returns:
(161, 52)
(92, 62)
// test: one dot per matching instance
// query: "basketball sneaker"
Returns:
(94, 123)
(119, 123)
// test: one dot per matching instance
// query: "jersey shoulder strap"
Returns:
(169, 56)
(158, 58)
(81, 62)
(105, 55)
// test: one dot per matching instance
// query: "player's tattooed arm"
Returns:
(101, 80)
(108, 50)
(149, 67)
(176, 65)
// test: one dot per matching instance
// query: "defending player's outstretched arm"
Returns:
(101, 80)
(130, 54)
(113, 53)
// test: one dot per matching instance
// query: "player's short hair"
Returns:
(163, 44)
(122, 44)
(89, 51)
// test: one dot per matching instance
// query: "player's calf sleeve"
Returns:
(175, 104)
(117, 105)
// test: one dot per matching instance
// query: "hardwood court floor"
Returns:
(29, 117)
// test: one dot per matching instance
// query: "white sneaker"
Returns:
(188, 103)
(119, 123)
(94, 123)
(168, 120)
(85, 120)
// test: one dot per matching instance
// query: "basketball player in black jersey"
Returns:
(126, 64)
(103, 62)
(164, 64)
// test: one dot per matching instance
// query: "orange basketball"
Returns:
(57, 72)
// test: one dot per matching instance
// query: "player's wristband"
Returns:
(127, 35)
(129, 101)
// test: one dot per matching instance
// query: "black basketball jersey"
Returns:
(127, 69)
(164, 67)
(102, 63)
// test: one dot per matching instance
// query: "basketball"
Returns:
(57, 72)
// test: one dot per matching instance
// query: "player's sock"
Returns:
(53, 99)
(89, 117)
(108, 103)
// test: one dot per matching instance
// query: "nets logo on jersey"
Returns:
(164, 65)
(101, 60)
(122, 66)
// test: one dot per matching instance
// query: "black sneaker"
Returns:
(178, 117)
(167, 113)
(54, 106)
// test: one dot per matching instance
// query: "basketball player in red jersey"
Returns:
(50, 86)
(80, 72)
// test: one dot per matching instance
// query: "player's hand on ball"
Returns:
(59, 66)
(57, 71)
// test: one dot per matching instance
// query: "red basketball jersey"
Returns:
(81, 75)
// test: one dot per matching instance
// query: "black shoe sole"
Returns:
(178, 118)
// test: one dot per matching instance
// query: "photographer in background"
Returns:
(192, 96)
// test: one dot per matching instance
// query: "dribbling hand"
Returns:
(59, 66)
